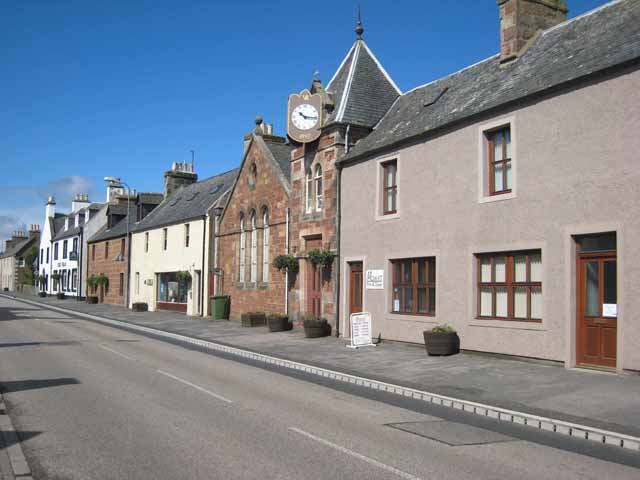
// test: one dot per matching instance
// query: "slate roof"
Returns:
(72, 231)
(578, 48)
(282, 154)
(189, 202)
(362, 90)
(119, 229)
(17, 248)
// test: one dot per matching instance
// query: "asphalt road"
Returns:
(92, 402)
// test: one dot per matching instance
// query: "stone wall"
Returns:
(111, 266)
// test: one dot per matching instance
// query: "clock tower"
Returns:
(323, 124)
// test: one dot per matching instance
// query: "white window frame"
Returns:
(241, 264)
(265, 245)
(309, 191)
(317, 185)
(254, 248)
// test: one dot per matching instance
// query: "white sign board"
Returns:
(374, 280)
(609, 309)
(361, 330)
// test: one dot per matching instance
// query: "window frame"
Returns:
(106, 249)
(308, 199)
(386, 165)
(510, 284)
(146, 242)
(265, 245)
(65, 248)
(414, 284)
(505, 162)
(318, 182)
(242, 252)
(186, 235)
(165, 239)
(253, 268)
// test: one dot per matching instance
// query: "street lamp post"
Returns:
(116, 182)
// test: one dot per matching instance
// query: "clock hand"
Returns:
(306, 117)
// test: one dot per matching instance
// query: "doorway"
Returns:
(355, 287)
(597, 303)
(314, 280)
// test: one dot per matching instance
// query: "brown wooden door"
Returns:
(314, 281)
(355, 288)
(597, 330)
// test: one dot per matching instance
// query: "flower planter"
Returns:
(255, 319)
(438, 343)
(42, 294)
(139, 307)
(92, 299)
(316, 329)
(60, 296)
(279, 323)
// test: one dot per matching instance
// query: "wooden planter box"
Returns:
(279, 323)
(92, 299)
(256, 319)
(139, 307)
(60, 296)
(441, 343)
(317, 330)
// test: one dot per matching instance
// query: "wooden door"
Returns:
(314, 281)
(597, 331)
(355, 288)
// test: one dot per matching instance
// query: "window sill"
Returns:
(497, 197)
(536, 325)
(413, 314)
(408, 317)
(388, 216)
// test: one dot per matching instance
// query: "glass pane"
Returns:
(598, 243)
(396, 300)
(485, 270)
(390, 206)
(508, 185)
(592, 307)
(501, 302)
(500, 269)
(408, 300)
(421, 271)
(422, 300)
(432, 300)
(535, 263)
(498, 186)
(610, 282)
(406, 272)
(536, 303)
(432, 271)
(497, 147)
(485, 302)
(520, 303)
(520, 268)
(507, 139)
(389, 179)
(396, 272)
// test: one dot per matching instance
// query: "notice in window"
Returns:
(609, 309)
(374, 280)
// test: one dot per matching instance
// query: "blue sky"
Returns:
(126, 87)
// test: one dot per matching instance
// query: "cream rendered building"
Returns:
(173, 240)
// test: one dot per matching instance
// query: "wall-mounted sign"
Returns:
(609, 309)
(360, 330)
(374, 280)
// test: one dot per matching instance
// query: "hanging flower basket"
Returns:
(286, 263)
(323, 258)
(184, 276)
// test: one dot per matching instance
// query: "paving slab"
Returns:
(605, 401)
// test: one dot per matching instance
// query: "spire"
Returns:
(359, 27)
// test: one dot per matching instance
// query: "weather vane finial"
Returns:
(359, 27)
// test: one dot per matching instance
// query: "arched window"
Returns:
(242, 250)
(309, 196)
(265, 245)
(253, 175)
(318, 184)
(254, 248)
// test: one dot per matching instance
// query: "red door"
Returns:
(597, 327)
(314, 281)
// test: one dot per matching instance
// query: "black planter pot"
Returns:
(441, 343)
(256, 319)
(279, 323)
(317, 330)
(60, 296)
(42, 294)
(139, 307)
(92, 299)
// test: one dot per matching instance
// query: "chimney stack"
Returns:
(180, 175)
(51, 207)
(34, 231)
(80, 201)
(522, 20)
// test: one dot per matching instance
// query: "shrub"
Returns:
(443, 329)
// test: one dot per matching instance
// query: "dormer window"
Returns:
(66, 223)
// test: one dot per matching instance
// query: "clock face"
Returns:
(305, 116)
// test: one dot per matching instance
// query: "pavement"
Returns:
(598, 400)
(91, 402)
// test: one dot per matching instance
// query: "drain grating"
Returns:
(452, 433)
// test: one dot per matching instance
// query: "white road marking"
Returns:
(117, 353)
(197, 387)
(359, 456)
